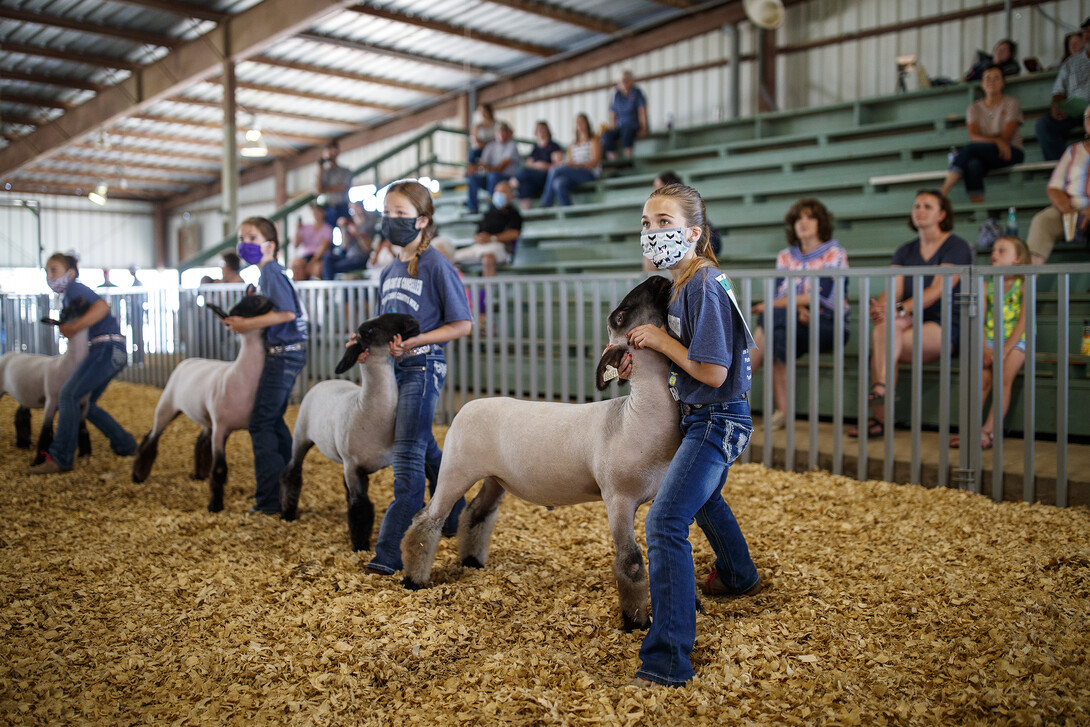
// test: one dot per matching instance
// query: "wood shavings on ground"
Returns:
(884, 604)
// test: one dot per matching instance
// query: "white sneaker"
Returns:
(779, 420)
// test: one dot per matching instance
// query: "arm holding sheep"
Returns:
(447, 332)
(657, 339)
(239, 324)
(99, 310)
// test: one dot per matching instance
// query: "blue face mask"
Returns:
(499, 200)
(250, 252)
(400, 231)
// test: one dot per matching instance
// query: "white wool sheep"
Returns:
(562, 454)
(351, 425)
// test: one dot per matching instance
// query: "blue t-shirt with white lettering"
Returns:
(107, 325)
(434, 297)
(703, 318)
(276, 287)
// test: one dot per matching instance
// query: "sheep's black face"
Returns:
(378, 332)
(648, 302)
(251, 306)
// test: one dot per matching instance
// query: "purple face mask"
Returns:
(250, 252)
(58, 285)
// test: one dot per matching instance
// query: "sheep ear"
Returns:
(350, 355)
(611, 357)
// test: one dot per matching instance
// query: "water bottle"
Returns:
(1086, 338)
(1012, 222)
(951, 156)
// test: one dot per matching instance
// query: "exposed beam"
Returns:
(561, 14)
(265, 88)
(680, 4)
(159, 119)
(20, 119)
(247, 34)
(207, 171)
(458, 30)
(390, 53)
(111, 178)
(184, 10)
(67, 189)
(89, 59)
(45, 103)
(347, 75)
(153, 136)
(51, 80)
(265, 111)
(211, 157)
(68, 23)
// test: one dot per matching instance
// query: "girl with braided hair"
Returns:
(424, 284)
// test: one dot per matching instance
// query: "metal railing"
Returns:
(539, 337)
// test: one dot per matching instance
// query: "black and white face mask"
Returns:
(665, 247)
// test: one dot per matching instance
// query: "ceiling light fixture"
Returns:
(98, 195)
(255, 146)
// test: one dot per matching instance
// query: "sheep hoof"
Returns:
(215, 506)
(471, 561)
(289, 515)
(412, 585)
(631, 624)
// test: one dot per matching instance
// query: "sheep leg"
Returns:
(219, 471)
(83, 445)
(202, 456)
(628, 567)
(418, 548)
(45, 438)
(291, 480)
(476, 523)
(361, 513)
(149, 446)
(22, 428)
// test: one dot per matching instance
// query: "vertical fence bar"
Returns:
(563, 310)
(838, 373)
(998, 340)
(747, 305)
(599, 315)
(976, 385)
(766, 415)
(944, 382)
(917, 379)
(533, 389)
(519, 340)
(790, 338)
(863, 372)
(890, 376)
(1063, 293)
(1029, 392)
(815, 352)
(581, 341)
(547, 341)
(504, 341)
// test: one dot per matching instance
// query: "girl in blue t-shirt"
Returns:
(285, 357)
(708, 343)
(424, 284)
(105, 359)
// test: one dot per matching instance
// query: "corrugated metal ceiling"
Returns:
(351, 69)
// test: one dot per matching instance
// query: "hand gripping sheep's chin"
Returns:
(554, 454)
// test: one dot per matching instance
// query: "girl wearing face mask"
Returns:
(424, 284)
(106, 358)
(285, 356)
(708, 342)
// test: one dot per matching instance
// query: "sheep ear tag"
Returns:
(724, 283)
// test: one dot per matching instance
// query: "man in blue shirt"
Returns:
(627, 117)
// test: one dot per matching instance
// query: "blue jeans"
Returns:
(270, 435)
(976, 159)
(416, 455)
(531, 182)
(476, 181)
(1052, 135)
(334, 212)
(561, 181)
(626, 135)
(104, 361)
(333, 264)
(714, 436)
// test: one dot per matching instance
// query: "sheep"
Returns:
(352, 425)
(35, 381)
(562, 454)
(218, 395)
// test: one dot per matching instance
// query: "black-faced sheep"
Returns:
(35, 381)
(562, 454)
(351, 425)
(218, 395)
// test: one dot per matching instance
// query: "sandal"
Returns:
(875, 428)
(876, 398)
(986, 439)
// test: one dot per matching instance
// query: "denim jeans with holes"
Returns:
(270, 435)
(714, 436)
(104, 361)
(416, 455)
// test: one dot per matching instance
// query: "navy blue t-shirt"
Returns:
(276, 287)
(434, 297)
(544, 153)
(703, 318)
(955, 251)
(107, 325)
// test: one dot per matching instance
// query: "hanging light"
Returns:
(255, 144)
(98, 195)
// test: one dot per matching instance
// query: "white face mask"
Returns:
(665, 247)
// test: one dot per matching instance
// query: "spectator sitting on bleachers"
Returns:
(809, 228)
(546, 154)
(484, 131)
(714, 237)
(309, 241)
(499, 160)
(584, 165)
(1068, 191)
(1070, 94)
(1004, 56)
(231, 265)
(497, 233)
(933, 218)
(627, 117)
(350, 255)
(332, 184)
(994, 141)
(1072, 45)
